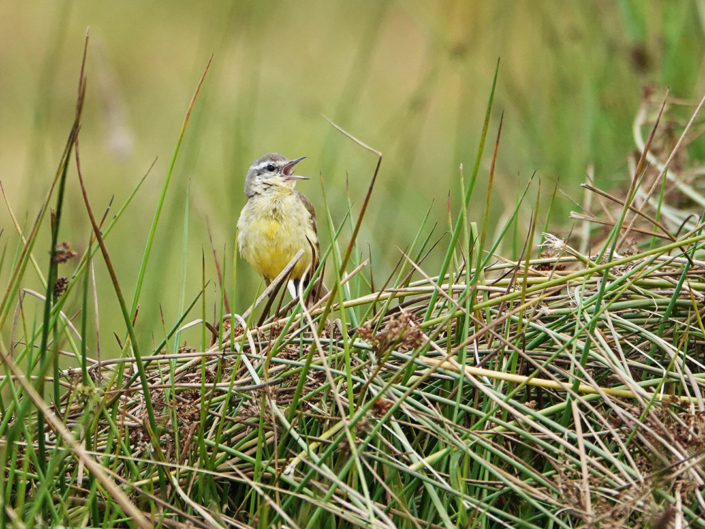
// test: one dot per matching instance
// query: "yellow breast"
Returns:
(272, 228)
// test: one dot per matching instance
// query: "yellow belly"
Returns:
(272, 231)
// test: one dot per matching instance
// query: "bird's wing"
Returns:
(312, 211)
(316, 245)
(320, 290)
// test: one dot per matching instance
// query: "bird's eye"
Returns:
(270, 168)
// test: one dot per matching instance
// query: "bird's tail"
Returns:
(318, 291)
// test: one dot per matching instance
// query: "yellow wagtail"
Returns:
(278, 221)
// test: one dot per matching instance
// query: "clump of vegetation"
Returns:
(561, 389)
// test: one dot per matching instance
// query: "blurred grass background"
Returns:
(411, 78)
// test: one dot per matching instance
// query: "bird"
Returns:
(277, 221)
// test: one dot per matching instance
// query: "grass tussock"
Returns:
(559, 389)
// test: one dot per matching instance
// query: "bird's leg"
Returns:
(281, 299)
(268, 306)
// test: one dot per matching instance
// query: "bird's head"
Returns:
(271, 170)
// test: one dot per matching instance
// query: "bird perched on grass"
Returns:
(277, 221)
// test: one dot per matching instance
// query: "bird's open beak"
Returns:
(289, 169)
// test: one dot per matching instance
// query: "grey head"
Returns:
(271, 170)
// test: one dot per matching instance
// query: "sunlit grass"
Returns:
(468, 380)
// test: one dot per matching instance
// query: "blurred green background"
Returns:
(410, 78)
